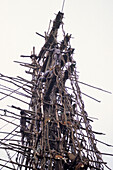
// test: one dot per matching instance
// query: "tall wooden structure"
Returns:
(55, 133)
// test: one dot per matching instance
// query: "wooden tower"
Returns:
(55, 132)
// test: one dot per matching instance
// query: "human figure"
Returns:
(22, 125)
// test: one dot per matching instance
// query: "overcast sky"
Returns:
(91, 24)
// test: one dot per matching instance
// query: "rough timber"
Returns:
(55, 133)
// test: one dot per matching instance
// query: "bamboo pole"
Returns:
(6, 166)
(86, 95)
(9, 122)
(15, 91)
(15, 164)
(10, 158)
(9, 95)
(28, 111)
(94, 87)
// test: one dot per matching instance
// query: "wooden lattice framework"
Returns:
(55, 131)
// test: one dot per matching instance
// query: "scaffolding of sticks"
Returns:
(55, 132)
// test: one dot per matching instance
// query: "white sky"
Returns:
(91, 24)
